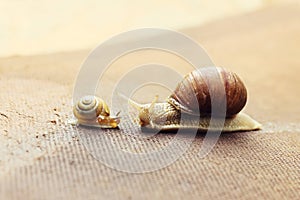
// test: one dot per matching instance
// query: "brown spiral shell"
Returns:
(200, 82)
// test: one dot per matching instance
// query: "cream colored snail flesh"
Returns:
(181, 108)
(93, 111)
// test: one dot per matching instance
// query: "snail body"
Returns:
(190, 105)
(93, 111)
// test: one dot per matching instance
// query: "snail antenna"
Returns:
(131, 102)
(153, 102)
(118, 113)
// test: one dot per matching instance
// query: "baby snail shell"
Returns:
(93, 111)
(189, 106)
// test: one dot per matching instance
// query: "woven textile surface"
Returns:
(43, 157)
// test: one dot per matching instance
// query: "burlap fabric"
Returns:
(42, 157)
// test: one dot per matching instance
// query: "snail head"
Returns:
(145, 111)
(109, 121)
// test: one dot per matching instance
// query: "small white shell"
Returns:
(93, 111)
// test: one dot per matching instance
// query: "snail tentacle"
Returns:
(131, 102)
(145, 111)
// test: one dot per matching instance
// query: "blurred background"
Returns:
(29, 27)
(43, 44)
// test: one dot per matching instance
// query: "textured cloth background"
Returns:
(41, 156)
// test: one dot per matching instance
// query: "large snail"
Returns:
(193, 93)
(93, 111)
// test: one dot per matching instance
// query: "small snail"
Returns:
(181, 109)
(93, 111)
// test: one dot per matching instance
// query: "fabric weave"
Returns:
(43, 157)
